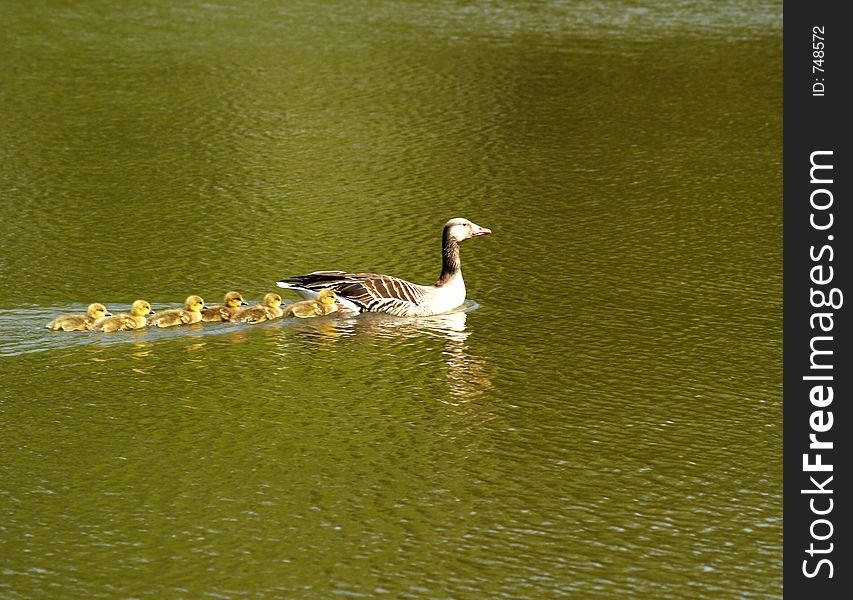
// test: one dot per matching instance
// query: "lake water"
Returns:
(603, 420)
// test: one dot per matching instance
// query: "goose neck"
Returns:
(451, 265)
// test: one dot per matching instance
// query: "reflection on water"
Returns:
(467, 377)
(22, 331)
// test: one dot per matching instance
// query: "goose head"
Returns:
(141, 308)
(272, 300)
(234, 299)
(97, 311)
(195, 303)
(461, 229)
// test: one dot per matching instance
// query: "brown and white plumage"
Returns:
(268, 310)
(94, 312)
(324, 305)
(191, 313)
(371, 292)
(223, 312)
(137, 319)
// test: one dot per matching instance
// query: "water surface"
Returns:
(605, 423)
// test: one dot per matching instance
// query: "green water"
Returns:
(604, 420)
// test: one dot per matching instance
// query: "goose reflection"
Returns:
(468, 376)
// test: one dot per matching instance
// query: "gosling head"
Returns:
(272, 300)
(97, 311)
(234, 299)
(195, 303)
(141, 308)
(327, 297)
(461, 229)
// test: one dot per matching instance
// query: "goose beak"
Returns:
(244, 303)
(480, 231)
(108, 314)
(151, 313)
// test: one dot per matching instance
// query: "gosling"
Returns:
(137, 319)
(191, 313)
(79, 322)
(270, 309)
(224, 312)
(325, 304)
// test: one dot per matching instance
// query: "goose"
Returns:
(370, 292)
(224, 312)
(94, 312)
(270, 309)
(139, 311)
(322, 306)
(191, 313)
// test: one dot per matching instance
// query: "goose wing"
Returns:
(369, 291)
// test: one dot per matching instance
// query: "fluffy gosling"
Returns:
(224, 312)
(270, 309)
(79, 322)
(139, 311)
(325, 304)
(191, 313)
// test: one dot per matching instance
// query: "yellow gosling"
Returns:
(325, 304)
(223, 312)
(79, 322)
(270, 309)
(191, 313)
(137, 319)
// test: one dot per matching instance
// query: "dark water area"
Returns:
(602, 420)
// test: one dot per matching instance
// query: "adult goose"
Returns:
(370, 292)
